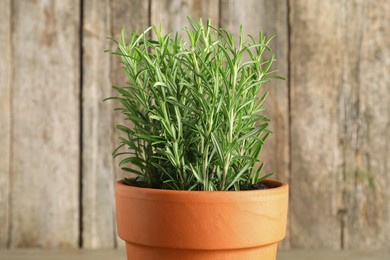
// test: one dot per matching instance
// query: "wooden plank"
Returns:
(98, 173)
(45, 161)
(270, 17)
(172, 15)
(5, 117)
(317, 157)
(366, 108)
(131, 15)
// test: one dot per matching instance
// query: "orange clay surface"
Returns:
(166, 224)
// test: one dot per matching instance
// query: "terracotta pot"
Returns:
(166, 224)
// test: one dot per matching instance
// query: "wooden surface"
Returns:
(340, 124)
(330, 118)
(316, 157)
(98, 175)
(121, 255)
(172, 14)
(5, 117)
(44, 199)
(366, 69)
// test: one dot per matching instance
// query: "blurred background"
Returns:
(331, 117)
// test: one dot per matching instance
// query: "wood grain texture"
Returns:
(5, 117)
(270, 17)
(340, 124)
(97, 164)
(131, 15)
(45, 161)
(366, 112)
(316, 126)
(172, 14)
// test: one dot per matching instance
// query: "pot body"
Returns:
(201, 225)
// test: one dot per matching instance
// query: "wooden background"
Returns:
(331, 118)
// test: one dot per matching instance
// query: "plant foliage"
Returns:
(195, 118)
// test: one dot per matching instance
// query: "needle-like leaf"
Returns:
(193, 107)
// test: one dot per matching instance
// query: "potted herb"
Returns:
(195, 132)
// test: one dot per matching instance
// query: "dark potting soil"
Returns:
(257, 186)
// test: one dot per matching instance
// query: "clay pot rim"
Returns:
(280, 188)
(245, 215)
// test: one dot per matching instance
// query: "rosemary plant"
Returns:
(196, 118)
